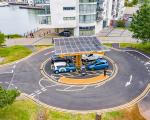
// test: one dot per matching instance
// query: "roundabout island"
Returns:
(125, 83)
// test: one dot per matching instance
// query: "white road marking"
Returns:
(48, 53)
(16, 87)
(7, 82)
(98, 85)
(139, 53)
(129, 82)
(0, 82)
(40, 83)
(147, 63)
(32, 95)
(69, 90)
(146, 67)
(43, 89)
(6, 73)
(39, 93)
(51, 86)
(68, 87)
(14, 66)
(12, 71)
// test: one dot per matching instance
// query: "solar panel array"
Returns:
(76, 45)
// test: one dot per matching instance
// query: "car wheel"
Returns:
(71, 70)
(56, 72)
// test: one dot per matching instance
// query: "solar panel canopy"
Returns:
(74, 45)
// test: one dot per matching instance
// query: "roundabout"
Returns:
(127, 85)
(76, 78)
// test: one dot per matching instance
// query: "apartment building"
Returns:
(81, 17)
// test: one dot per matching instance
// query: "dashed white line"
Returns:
(43, 89)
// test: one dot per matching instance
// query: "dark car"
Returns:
(56, 58)
(65, 33)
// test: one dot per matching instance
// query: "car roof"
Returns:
(101, 60)
(60, 64)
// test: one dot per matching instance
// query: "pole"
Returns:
(98, 116)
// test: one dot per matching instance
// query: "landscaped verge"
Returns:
(26, 109)
(144, 47)
(13, 53)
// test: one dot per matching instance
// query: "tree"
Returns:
(2, 38)
(140, 25)
(7, 97)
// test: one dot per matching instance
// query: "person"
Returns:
(83, 70)
(52, 40)
(105, 72)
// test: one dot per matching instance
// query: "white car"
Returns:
(62, 67)
(90, 57)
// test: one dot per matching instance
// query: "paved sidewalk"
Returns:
(29, 41)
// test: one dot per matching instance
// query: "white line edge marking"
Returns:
(14, 66)
(139, 53)
(48, 52)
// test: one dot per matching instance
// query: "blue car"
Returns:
(98, 65)
(63, 67)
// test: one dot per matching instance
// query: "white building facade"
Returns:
(81, 17)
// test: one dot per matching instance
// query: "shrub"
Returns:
(121, 23)
(2, 38)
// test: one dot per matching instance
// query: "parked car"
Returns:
(63, 67)
(65, 33)
(90, 57)
(56, 58)
(98, 65)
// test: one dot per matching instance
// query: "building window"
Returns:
(86, 31)
(69, 18)
(87, 1)
(87, 8)
(87, 18)
(68, 8)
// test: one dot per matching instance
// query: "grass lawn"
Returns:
(131, 113)
(28, 110)
(108, 44)
(40, 47)
(145, 47)
(13, 53)
(19, 110)
(13, 36)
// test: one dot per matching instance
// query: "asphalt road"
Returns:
(132, 78)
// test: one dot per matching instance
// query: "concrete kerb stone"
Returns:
(115, 71)
(17, 61)
(129, 104)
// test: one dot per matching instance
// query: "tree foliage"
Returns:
(7, 97)
(2, 38)
(140, 25)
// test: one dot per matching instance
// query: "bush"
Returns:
(13, 36)
(2, 38)
(121, 23)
